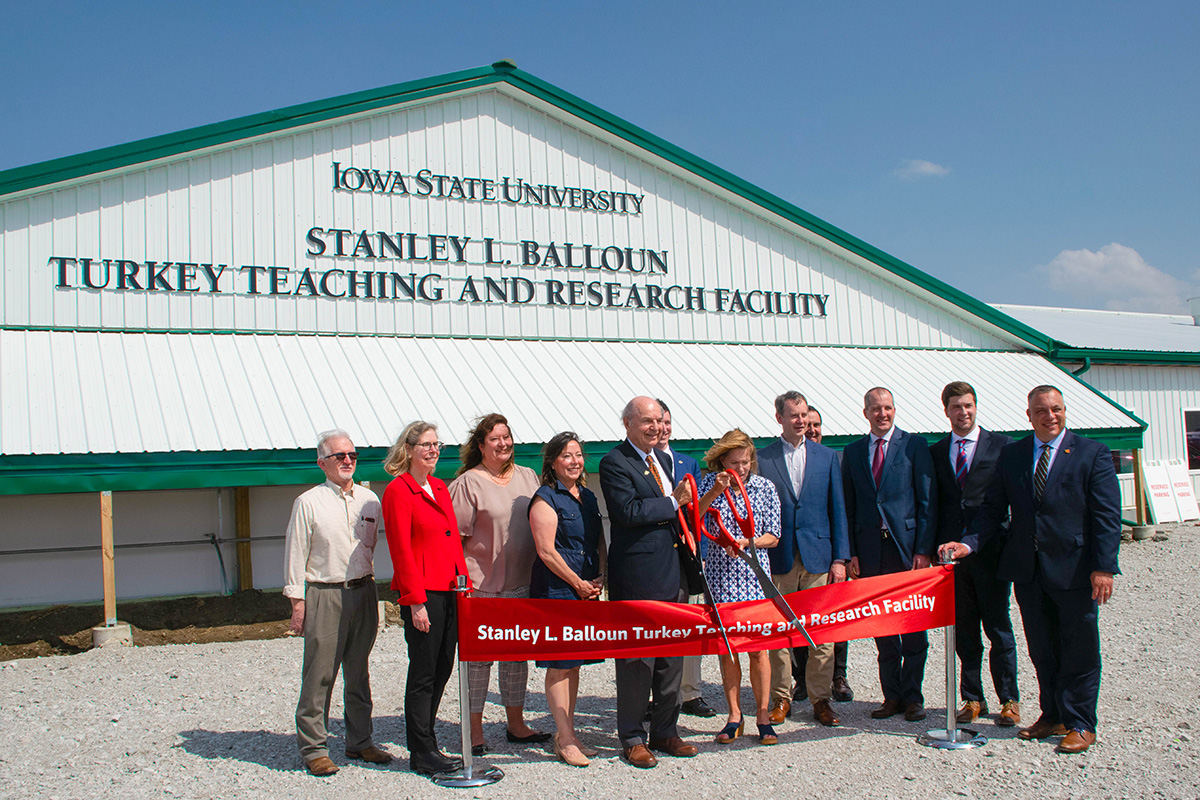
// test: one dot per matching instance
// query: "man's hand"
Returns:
(1102, 586)
(420, 617)
(682, 493)
(296, 628)
(920, 561)
(853, 567)
(953, 550)
(837, 572)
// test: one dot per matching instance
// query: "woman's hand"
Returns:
(587, 590)
(420, 617)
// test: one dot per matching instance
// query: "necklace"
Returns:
(503, 479)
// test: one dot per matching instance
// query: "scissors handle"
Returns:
(722, 537)
(691, 535)
(746, 523)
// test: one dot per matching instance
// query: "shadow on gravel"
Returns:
(270, 749)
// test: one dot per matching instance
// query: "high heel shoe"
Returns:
(766, 734)
(569, 760)
(731, 731)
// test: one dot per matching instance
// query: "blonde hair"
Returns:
(736, 439)
(399, 456)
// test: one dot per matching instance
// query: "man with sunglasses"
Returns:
(328, 574)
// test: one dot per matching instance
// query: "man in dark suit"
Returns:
(813, 544)
(1060, 552)
(682, 464)
(644, 563)
(891, 506)
(965, 465)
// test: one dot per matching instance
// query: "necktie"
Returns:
(960, 464)
(1039, 476)
(654, 472)
(877, 463)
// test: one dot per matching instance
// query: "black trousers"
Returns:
(430, 662)
(636, 679)
(901, 658)
(980, 600)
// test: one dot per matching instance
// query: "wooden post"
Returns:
(106, 559)
(241, 532)
(1139, 488)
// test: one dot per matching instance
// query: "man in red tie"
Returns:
(891, 507)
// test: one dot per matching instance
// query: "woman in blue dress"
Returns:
(729, 578)
(568, 535)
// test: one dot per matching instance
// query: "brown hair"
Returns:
(400, 456)
(553, 449)
(470, 453)
(735, 439)
(957, 389)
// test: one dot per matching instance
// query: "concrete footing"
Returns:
(1141, 532)
(119, 635)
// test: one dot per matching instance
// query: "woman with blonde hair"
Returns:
(730, 579)
(491, 495)
(427, 559)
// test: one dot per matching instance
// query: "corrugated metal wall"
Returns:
(1158, 395)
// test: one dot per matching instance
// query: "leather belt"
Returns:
(350, 584)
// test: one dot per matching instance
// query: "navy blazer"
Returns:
(814, 525)
(643, 559)
(1075, 529)
(957, 507)
(906, 500)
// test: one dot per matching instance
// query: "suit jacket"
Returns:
(957, 507)
(813, 526)
(423, 539)
(1073, 531)
(643, 557)
(905, 501)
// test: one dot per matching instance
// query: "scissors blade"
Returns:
(772, 593)
(716, 614)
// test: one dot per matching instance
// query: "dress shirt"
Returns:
(972, 440)
(796, 459)
(1055, 445)
(668, 486)
(330, 537)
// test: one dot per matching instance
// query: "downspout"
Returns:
(1087, 364)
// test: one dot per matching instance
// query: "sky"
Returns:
(1039, 153)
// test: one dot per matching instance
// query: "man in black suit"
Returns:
(1060, 552)
(891, 506)
(965, 465)
(645, 562)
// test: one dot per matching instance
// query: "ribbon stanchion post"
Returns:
(468, 776)
(953, 737)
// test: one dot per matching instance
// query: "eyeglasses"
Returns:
(430, 445)
(351, 457)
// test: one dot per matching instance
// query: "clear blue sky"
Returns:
(1025, 152)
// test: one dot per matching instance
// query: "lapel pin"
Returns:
(1067, 451)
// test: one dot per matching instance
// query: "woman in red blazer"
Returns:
(427, 558)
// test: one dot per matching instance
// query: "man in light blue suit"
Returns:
(813, 546)
(891, 505)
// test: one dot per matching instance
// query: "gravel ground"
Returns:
(216, 720)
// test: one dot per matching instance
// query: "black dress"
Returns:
(577, 541)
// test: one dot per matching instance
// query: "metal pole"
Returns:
(952, 738)
(466, 777)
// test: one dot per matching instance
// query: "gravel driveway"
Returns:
(216, 720)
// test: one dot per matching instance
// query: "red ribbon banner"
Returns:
(511, 629)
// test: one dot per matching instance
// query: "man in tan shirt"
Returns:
(328, 566)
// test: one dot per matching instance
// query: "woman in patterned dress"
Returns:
(729, 578)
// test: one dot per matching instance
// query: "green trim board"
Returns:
(1133, 357)
(23, 179)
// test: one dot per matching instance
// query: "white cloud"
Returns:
(1114, 277)
(916, 168)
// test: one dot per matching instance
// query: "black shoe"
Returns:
(432, 763)
(799, 695)
(537, 737)
(697, 708)
(913, 712)
(842, 691)
(478, 749)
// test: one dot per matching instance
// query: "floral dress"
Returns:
(729, 578)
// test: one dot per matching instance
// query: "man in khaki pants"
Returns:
(814, 543)
(328, 569)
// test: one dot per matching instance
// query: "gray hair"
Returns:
(324, 438)
(630, 411)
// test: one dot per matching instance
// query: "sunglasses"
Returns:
(351, 457)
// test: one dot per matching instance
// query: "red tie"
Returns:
(877, 463)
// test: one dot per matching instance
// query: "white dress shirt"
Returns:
(331, 537)
(972, 440)
(796, 458)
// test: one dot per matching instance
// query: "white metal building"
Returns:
(180, 316)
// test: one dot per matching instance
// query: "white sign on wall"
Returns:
(1181, 485)
(1159, 492)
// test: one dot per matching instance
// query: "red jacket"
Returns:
(423, 539)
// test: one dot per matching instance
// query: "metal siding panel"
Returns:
(16, 419)
(16, 262)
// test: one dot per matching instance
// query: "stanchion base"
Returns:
(459, 779)
(960, 739)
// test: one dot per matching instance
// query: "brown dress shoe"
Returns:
(1076, 742)
(321, 766)
(889, 708)
(971, 711)
(674, 747)
(371, 754)
(823, 714)
(1010, 714)
(1042, 729)
(914, 712)
(780, 710)
(639, 756)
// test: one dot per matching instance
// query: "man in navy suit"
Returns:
(1060, 552)
(965, 465)
(891, 505)
(682, 464)
(644, 563)
(813, 544)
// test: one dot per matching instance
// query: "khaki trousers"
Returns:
(818, 676)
